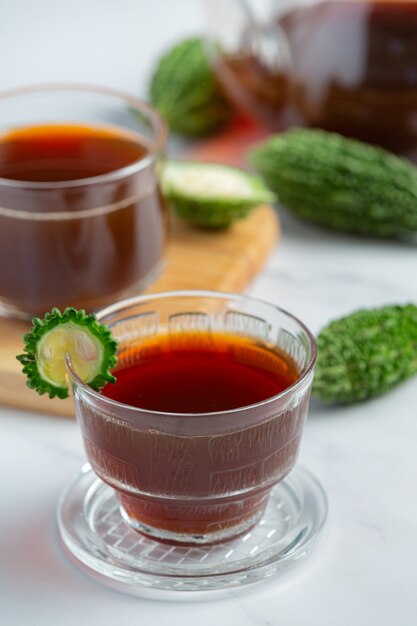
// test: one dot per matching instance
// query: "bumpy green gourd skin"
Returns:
(366, 354)
(340, 183)
(42, 326)
(210, 215)
(185, 91)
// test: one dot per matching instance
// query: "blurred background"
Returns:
(103, 42)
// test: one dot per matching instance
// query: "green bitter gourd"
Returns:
(366, 354)
(185, 91)
(340, 183)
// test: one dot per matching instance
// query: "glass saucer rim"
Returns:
(142, 580)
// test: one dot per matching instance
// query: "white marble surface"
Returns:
(364, 570)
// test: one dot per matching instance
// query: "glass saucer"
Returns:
(95, 533)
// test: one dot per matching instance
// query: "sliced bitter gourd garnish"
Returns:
(90, 345)
(210, 194)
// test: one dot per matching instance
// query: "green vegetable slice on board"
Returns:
(90, 345)
(210, 194)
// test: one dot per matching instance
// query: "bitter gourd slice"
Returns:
(212, 195)
(91, 347)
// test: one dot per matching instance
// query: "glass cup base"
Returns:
(186, 539)
(94, 532)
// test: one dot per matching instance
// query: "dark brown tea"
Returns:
(351, 68)
(200, 483)
(74, 230)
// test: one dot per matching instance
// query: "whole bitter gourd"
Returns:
(340, 183)
(185, 91)
(366, 354)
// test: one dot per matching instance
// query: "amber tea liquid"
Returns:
(89, 237)
(188, 374)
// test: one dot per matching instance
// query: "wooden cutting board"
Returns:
(196, 259)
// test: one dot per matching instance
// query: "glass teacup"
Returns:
(82, 219)
(202, 477)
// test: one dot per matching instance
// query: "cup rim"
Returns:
(199, 293)
(155, 146)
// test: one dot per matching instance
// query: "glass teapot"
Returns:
(348, 66)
